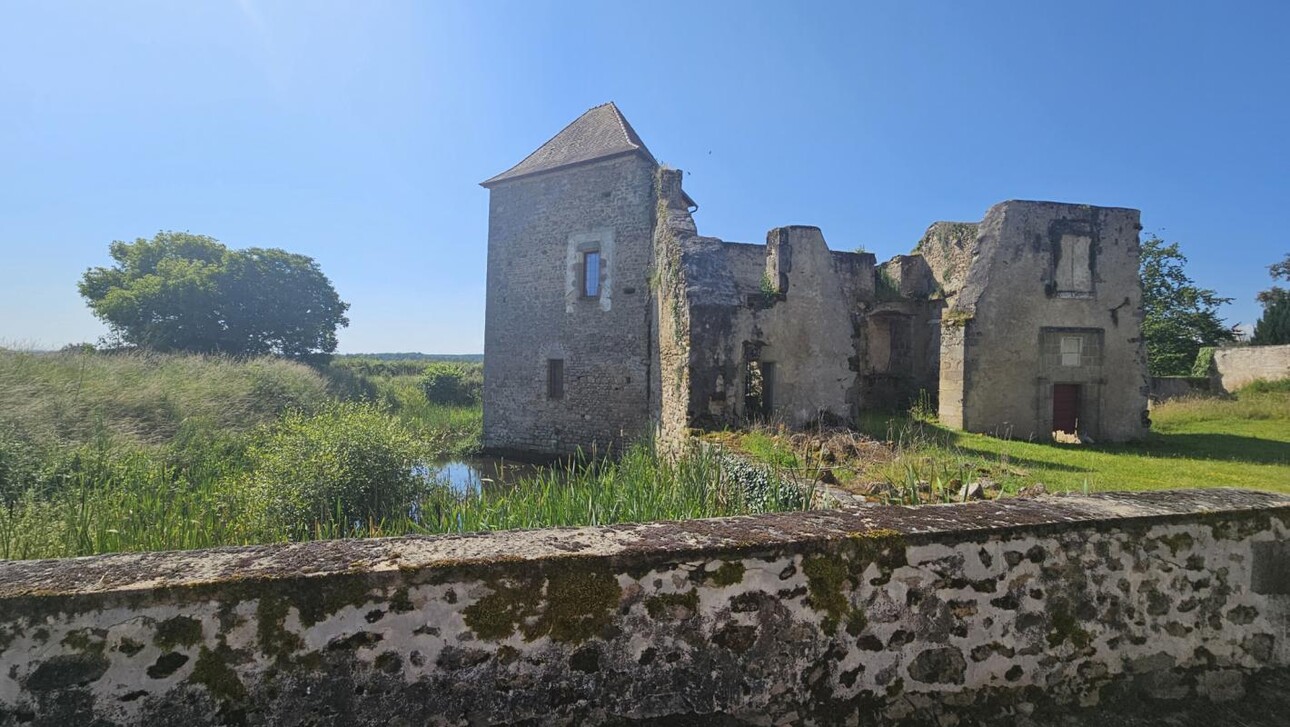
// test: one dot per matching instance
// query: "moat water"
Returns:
(471, 474)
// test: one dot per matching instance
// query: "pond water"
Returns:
(470, 474)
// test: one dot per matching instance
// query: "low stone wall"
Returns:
(1164, 388)
(1071, 610)
(1236, 367)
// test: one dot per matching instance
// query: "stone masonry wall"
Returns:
(537, 229)
(1115, 609)
(1001, 364)
(1236, 367)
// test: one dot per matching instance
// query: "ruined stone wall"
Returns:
(538, 227)
(671, 324)
(1013, 315)
(948, 248)
(1236, 367)
(791, 305)
(1133, 608)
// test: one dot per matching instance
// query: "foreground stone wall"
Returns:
(1236, 367)
(1060, 610)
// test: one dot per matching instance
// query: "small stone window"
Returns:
(1071, 348)
(591, 274)
(555, 378)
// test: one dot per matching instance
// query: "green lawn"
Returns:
(1238, 442)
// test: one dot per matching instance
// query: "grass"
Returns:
(133, 503)
(126, 453)
(75, 397)
(1205, 442)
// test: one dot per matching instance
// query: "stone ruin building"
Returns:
(609, 317)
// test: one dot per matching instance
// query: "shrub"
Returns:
(349, 463)
(454, 384)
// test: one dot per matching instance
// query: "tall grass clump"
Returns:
(642, 485)
(349, 463)
(74, 396)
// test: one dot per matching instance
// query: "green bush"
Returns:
(454, 384)
(349, 463)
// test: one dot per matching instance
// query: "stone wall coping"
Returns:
(636, 544)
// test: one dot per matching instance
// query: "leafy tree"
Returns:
(182, 292)
(1179, 318)
(1273, 327)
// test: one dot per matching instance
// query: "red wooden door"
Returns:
(1065, 407)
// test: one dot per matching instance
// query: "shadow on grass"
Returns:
(1022, 462)
(1221, 447)
(1201, 446)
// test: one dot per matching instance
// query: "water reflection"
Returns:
(471, 474)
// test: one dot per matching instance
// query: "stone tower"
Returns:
(566, 344)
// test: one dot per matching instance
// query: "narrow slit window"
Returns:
(555, 378)
(591, 274)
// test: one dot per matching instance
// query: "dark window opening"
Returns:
(759, 390)
(555, 378)
(591, 274)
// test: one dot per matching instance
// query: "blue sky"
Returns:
(357, 132)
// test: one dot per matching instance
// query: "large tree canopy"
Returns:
(1179, 318)
(1273, 327)
(182, 292)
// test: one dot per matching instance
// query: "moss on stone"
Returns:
(497, 615)
(271, 631)
(730, 573)
(178, 631)
(579, 604)
(575, 605)
(1064, 626)
(956, 317)
(826, 578)
(86, 641)
(663, 605)
(213, 672)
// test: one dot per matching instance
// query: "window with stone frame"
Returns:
(1067, 348)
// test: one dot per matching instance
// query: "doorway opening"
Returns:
(1066, 408)
(759, 389)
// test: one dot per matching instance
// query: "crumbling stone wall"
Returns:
(1235, 367)
(808, 316)
(535, 311)
(1002, 336)
(948, 248)
(1130, 606)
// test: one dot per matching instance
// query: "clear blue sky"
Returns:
(357, 132)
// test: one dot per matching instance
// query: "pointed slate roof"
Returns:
(600, 133)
